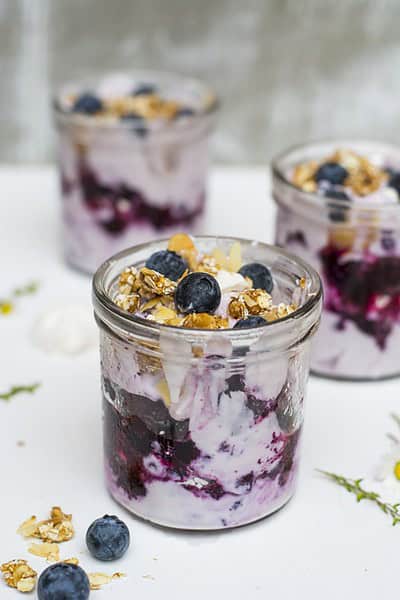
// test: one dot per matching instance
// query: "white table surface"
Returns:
(322, 545)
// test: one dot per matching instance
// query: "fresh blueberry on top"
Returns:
(144, 89)
(168, 263)
(394, 181)
(184, 112)
(197, 293)
(253, 321)
(259, 274)
(63, 581)
(331, 172)
(107, 538)
(87, 103)
(138, 123)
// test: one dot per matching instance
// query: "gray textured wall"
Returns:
(287, 70)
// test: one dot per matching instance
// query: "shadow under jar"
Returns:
(133, 161)
(202, 427)
(354, 244)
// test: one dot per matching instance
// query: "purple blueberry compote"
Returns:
(203, 414)
(339, 209)
(133, 159)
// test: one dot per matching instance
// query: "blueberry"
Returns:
(168, 263)
(138, 123)
(63, 581)
(197, 293)
(184, 112)
(253, 321)
(88, 104)
(332, 172)
(337, 194)
(394, 181)
(337, 214)
(144, 89)
(259, 274)
(107, 538)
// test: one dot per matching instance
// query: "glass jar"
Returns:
(355, 247)
(202, 427)
(125, 182)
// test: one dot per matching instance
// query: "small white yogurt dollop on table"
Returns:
(66, 329)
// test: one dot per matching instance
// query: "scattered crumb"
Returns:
(149, 577)
(47, 550)
(71, 561)
(19, 575)
(97, 580)
(21, 443)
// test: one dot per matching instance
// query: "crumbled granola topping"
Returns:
(150, 294)
(58, 528)
(19, 575)
(155, 283)
(363, 178)
(97, 580)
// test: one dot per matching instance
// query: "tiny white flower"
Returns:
(388, 469)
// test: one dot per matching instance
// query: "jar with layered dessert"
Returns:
(205, 349)
(338, 208)
(133, 161)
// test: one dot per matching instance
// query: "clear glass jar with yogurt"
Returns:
(338, 208)
(133, 161)
(202, 428)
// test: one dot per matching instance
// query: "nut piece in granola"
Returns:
(19, 575)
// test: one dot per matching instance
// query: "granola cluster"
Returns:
(150, 294)
(19, 575)
(362, 177)
(58, 528)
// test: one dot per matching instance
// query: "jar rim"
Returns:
(103, 303)
(211, 102)
(313, 199)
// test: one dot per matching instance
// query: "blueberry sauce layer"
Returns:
(144, 445)
(115, 208)
(366, 292)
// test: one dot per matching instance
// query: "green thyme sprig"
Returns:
(354, 487)
(19, 389)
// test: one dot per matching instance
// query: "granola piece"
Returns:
(278, 312)
(48, 550)
(256, 300)
(237, 309)
(221, 260)
(366, 179)
(152, 303)
(128, 302)
(71, 561)
(207, 264)
(58, 528)
(182, 244)
(164, 315)
(19, 575)
(155, 283)
(97, 580)
(303, 176)
(205, 321)
(28, 527)
(128, 282)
